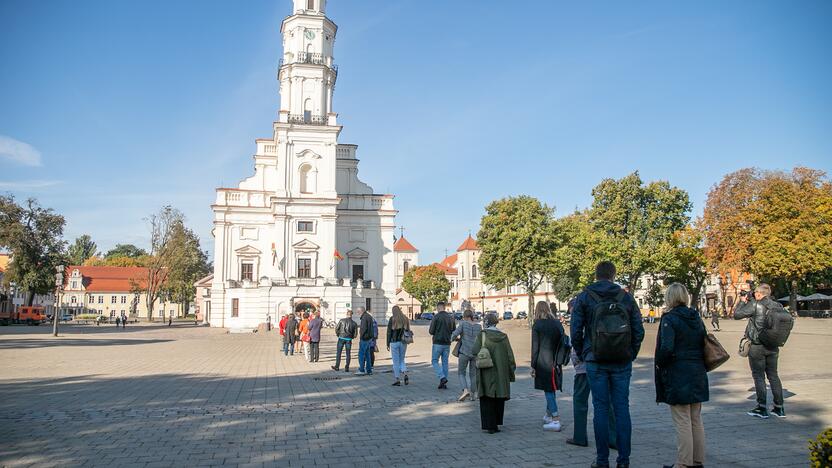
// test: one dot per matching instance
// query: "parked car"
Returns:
(426, 316)
(457, 315)
(522, 315)
(66, 317)
(507, 315)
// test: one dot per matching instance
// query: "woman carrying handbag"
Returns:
(495, 372)
(466, 332)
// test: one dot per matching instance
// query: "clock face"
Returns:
(310, 34)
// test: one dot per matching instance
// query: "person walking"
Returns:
(281, 325)
(399, 324)
(715, 320)
(467, 332)
(315, 324)
(441, 328)
(291, 335)
(123, 321)
(761, 358)
(118, 321)
(365, 343)
(346, 331)
(494, 383)
(604, 305)
(303, 329)
(297, 342)
(580, 407)
(680, 375)
(374, 344)
(547, 334)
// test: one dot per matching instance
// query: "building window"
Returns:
(304, 268)
(112, 313)
(305, 226)
(124, 299)
(473, 271)
(113, 299)
(310, 4)
(358, 272)
(247, 271)
(235, 307)
(92, 299)
(369, 304)
(74, 285)
(405, 266)
(72, 299)
(100, 299)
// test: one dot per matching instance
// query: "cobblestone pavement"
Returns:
(188, 396)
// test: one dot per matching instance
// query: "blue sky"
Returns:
(110, 109)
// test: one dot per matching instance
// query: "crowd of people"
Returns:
(606, 334)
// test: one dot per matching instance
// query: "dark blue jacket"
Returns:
(680, 373)
(582, 316)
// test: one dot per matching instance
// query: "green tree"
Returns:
(689, 265)
(82, 249)
(427, 284)
(517, 239)
(125, 250)
(33, 236)
(571, 266)
(637, 223)
(163, 249)
(187, 265)
(655, 295)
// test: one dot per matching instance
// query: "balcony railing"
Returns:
(307, 119)
(310, 58)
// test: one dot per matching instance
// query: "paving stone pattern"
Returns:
(192, 396)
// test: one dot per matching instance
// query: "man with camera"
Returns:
(767, 330)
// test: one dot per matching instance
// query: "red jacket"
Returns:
(282, 325)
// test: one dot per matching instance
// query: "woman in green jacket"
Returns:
(494, 383)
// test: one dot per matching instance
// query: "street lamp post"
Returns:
(59, 284)
(482, 296)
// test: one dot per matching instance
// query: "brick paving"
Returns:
(185, 396)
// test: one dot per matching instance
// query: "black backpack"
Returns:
(563, 350)
(779, 323)
(610, 330)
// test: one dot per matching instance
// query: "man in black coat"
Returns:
(365, 343)
(290, 336)
(346, 331)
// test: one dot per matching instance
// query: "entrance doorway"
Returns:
(306, 307)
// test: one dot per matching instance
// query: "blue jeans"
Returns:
(610, 384)
(397, 351)
(287, 349)
(440, 350)
(551, 404)
(365, 349)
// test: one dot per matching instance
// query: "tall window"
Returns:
(304, 268)
(406, 266)
(74, 285)
(72, 299)
(235, 307)
(113, 299)
(124, 299)
(247, 271)
(473, 271)
(358, 272)
(100, 299)
(310, 4)
(307, 111)
(305, 226)
(369, 304)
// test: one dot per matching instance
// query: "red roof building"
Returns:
(469, 244)
(403, 245)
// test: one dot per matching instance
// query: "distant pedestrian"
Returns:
(170, 319)
(680, 375)
(651, 316)
(268, 322)
(547, 335)
(441, 328)
(399, 324)
(123, 321)
(314, 326)
(346, 331)
(303, 329)
(365, 343)
(374, 344)
(467, 331)
(494, 382)
(607, 332)
(291, 335)
(118, 321)
(715, 320)
(281, 325)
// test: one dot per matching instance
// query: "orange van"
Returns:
(31, 315)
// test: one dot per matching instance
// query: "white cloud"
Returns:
(19, 152)
(27, 184)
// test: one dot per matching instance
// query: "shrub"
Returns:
(820, 450)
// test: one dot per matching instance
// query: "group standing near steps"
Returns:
(606, 333)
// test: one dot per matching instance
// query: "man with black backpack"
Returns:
(768, 328)
(606, 335)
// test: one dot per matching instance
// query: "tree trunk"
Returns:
(530, 313)
(793, 296)
(30, 297)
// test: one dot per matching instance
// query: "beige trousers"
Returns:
(690, 434)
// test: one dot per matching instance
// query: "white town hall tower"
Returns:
(303, 233)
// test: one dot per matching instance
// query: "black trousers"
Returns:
(314, 350)
(343, 345)
(491, 412)
(763, 363)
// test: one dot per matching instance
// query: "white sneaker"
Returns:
(553, 426)
(360, 373)
(547, 419)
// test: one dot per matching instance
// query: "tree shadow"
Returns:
(48, 343)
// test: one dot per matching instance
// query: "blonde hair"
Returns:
(676, 295)
(542, 311)
(764, 289)
(398, 320)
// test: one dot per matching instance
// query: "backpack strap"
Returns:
(621, 295)
(593, 295)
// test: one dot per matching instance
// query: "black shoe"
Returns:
(493, 431)
(573, 442)
(622, 465)
(334, 368)
(595, 465)
(347, 370)
(759, 412)
(779, 412)
(443, 383)
(406, 379)
(397, 383)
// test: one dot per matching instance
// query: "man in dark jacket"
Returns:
(346, 331)
(609, 382)
(315, 325)
(365, 343)
(290, 336)
(763, 360)
(441, 327)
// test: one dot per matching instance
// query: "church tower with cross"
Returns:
(303, 233)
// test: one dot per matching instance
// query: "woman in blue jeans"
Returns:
(547, 334)
(396, 345)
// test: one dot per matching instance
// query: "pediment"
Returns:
(247, 251)
(358, 253)
(306, 245)
(309, 154)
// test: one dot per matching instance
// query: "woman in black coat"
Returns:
(681, 378)
(291, 335)
(547, 334)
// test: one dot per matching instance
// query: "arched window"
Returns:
(310, 4)
(307, 177)
(473, 271)
(405, 266)
(307, 111)
(462, 271)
